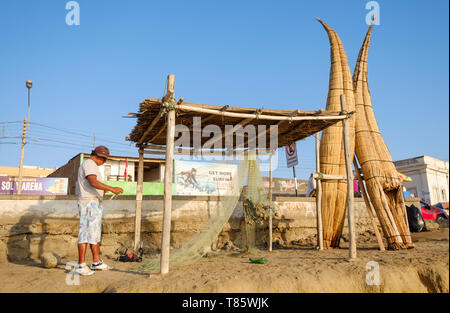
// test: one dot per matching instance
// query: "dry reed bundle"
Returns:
(383, 184)
(332, 158)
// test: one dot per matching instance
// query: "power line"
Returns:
(11, 122)
(102, 138)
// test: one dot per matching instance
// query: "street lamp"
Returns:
(29, 84)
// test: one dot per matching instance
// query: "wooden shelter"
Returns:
(155, 130)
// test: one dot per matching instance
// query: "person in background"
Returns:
(89, 190)
(311, 192)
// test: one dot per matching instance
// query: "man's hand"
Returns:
(117, 190)
(99, 185)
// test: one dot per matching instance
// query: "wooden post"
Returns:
(348, 167)
(165, 243)
(368, 205)
(295, 181)
(270, 204)
(22, 150)
(140, 183)
(319, 198)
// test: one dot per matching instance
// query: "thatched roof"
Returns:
(292, 125)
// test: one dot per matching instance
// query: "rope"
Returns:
(169, 104)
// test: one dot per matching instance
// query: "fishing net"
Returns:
(256, 206)
(256, 210)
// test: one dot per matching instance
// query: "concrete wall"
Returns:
(39, 224)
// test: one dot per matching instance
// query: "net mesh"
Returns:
(256, 211)
(199, 244)
(256, 205)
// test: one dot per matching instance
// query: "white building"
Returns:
(429, 178)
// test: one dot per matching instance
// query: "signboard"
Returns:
(205, 178)
(291, 155)
(130, 188)
(34, 185)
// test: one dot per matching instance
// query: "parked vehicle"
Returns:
(432, 212)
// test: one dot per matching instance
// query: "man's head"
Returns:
(100, 154)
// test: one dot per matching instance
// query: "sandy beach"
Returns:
(290, 269)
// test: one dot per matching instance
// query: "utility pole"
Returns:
(295, 181)
(22, 150)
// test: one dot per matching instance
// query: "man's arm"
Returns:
(93, 181)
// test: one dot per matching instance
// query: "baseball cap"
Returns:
(101, 151)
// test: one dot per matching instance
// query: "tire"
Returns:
(442, 221)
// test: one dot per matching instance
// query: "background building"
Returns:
(28, 171)
(113, 170)
(429, 178)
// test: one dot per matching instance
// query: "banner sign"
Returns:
(291, 155)
(130, 188)
(205, 178)
(34, 185)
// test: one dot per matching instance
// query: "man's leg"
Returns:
(95, 249)
(82, 247)
(82, 233)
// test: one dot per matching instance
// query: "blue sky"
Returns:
(270, 54)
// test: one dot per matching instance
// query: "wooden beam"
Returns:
(222, 109)
(158, 133)
(267, 128)
(137, 220)
(262, 116)
(368, 204)
(150, 127)
(348, 166)
(153, 152)
(319, 198)
(219, 152)
(270, 204)
(149, 146)
(320, 176)
(168, 178)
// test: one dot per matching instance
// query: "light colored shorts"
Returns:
(90, 221)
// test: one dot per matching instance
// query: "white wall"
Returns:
(118, 168)
(429, 178)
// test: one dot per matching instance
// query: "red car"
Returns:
(430, 212)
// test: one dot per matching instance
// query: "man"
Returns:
(189, 178)
(90, 189)
(311, 192)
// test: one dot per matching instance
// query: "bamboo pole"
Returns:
(348, 167)
(154, 147)
(322, 176)
(270, 204)
(153, 123)
(140, 183)
(165, 243)
(158, 133)
(235, 127)
(260, 135)
(319, 198)
(389, 214)
(261, 117)
(368, 204)
(154, 152)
